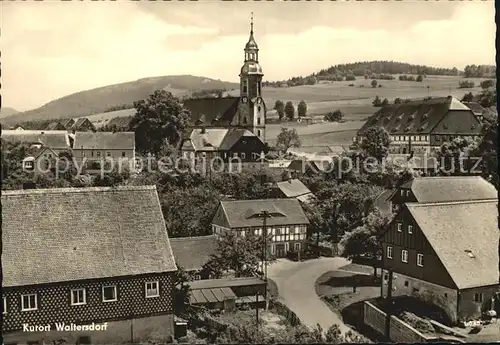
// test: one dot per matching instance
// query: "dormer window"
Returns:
(410, 229)
(400, 227)
(402, 192)
(407, 193)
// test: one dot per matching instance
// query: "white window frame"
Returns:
(410, 229)
(273, 249)
(243, 155)
(297, 247)
(402, 192)
(23, 308)
(116, 293)
(84, 296)
(400, 227)
(407, 193)
(420, 260)
(197, 277)
(157, 283)
(389, 252)
(404, 258)
(98, 153)
(4, 305)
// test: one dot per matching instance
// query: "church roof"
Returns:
(212, 111)
(414, 117)
(251, 67)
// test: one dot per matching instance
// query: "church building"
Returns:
(231, 127)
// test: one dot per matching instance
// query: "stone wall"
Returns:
(400, 331)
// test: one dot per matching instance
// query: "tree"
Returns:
(239, 254)
(374, 83)
(487, 151)
(468, 97)
(486, 84)
(488, 98)
(452, 156)
(181, 291)
(289, 110)
(398, 101)
(279, 106)
(287, 138)
(334, 116)
(385, 102)
(158, 120)
(302, 109)
(419, 78)
(377, 102)
(376, 142)
(364, 241)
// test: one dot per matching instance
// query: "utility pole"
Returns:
(389, 306)
(257, 308)
(264, 215)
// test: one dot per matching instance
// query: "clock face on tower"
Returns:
(244, 99)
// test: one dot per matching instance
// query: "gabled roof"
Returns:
(212, 111)
(293, 188)
(476, 108)
(67, 123)
(383, 201)
(415, 117)
(241, 213)
(54, 126)
(233, 136)
(104, 141)
(66, 234)
(451, 188)
(80, 121)
(53, 139)
(120, 122)
(208, 139)
(191, 253)
(464, 236)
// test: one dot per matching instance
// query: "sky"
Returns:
(52, 49)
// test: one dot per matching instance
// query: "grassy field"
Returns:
(354, 101)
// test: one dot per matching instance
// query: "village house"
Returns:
(57, 141)
(55, 126)
(191, 253)
(445, 254)
(293, 188)
(83, 124)
(308, 167)
(422, 126)
(41, 161)
(94, 256)
(442, 245)
(67, 123)
(286, 225)
(96, 147)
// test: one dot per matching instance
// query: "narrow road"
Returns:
(296, 288)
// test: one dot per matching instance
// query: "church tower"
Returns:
(252, 107)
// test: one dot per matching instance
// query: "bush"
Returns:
(466, 84)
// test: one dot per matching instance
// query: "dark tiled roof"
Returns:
(239, 213)
(208, 110)
(416, 117)
(54, 126)
(79, 122)
(475, 107)
(202, 296)
(452, 229)
(233, 136)
(120, 122)
(293, 188)
(68, 123)
(451, 188)
(56, 235)
(191, 253)
(104, 140)
(209, 139)
(52, 139)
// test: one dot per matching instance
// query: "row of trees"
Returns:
(479, 71)
(288, 109)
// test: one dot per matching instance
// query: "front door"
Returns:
(280, 251)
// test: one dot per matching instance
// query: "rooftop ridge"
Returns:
(190, 238)
(76, 190)
(257, 200)
(425, 204)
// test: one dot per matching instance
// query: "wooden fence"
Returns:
(284, 311)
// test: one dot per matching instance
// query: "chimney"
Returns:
(29, 185)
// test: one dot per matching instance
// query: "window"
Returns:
(404, 256)
(297, 247)
(402, 192)
(420, 260)
(400, 227)
(273, 249)
(258, 132)
(29, 302)
(123, 154)
(78, 297)
(108, 154)
(92, 153)
(407, 193)
(410, 229)
(83, 154)
(242, 155)
(478, 297)
(109, 293)
(389, 252)
(98, 153)
(197, 277)
(406, 283)
(258, 119)
(152, 289)
(4, 305)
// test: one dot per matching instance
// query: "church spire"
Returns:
(251, 25)
(251, 48)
